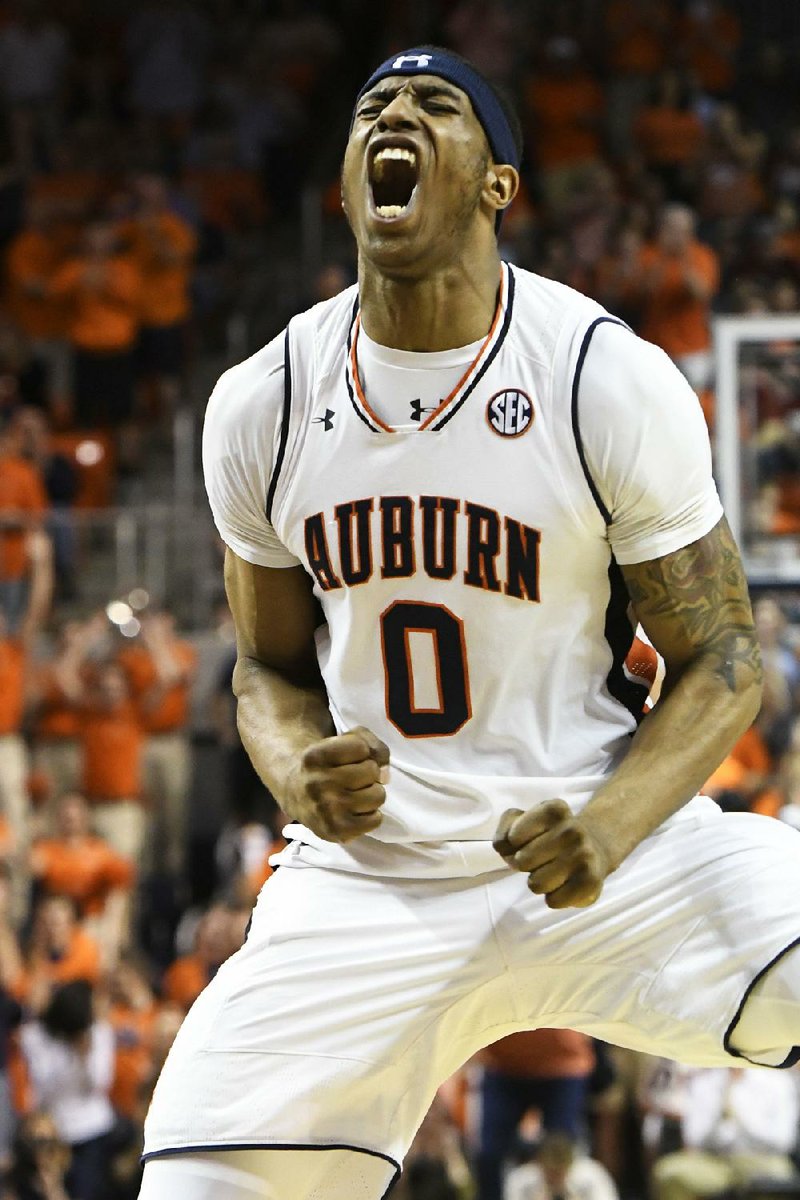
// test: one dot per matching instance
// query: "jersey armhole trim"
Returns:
(576, 431)
(285, 417)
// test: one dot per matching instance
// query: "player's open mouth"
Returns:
(393, 180)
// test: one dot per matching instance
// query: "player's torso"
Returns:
(460, 561)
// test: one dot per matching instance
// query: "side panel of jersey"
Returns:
(475, 620)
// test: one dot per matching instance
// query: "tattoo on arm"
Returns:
(695, 602)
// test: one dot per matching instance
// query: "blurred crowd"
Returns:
(154, 158)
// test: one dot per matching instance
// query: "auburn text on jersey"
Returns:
(421, 534)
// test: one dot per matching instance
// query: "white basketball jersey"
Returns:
(467, 561)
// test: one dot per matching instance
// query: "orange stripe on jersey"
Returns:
(448, 400)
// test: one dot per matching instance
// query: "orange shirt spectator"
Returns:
(679, 279)
(746, 770)
(674, 318)
(541, 1054)
(112, 746)
(60, 951)
(566, 111)
(80, 960)
(57, 716)
(103, 299)
(708, 38)
(86, 869)
(160, 711)
(22, 502)
(33, 258)
(12, 684)
(215, 940)
(184, 980)
(163, 247)
(669, 136)
(638, 36)
(230, 197)
(133, 1060)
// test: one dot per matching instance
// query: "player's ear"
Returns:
(502, 184)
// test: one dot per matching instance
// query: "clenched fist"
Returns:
(565, 862)
(335, 788)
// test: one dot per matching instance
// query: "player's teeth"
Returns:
(391, 210)
(396, 152)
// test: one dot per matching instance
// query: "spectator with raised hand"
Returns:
(102, 290)
(60, 951)
(680, 277)
(23, 502)
(111, 739)
(76, 863)
(69, 1056)
(56, 720)
(132, 1012)
(163, 245)
(15, 647)
(160, 667)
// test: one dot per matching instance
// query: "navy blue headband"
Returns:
(488, 108)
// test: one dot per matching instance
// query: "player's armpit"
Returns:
(694, 606)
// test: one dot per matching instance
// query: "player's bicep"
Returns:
(694, 603)
(275, 613)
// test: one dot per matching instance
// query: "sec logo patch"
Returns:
(510, 413)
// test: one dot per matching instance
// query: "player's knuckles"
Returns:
(378, 750)
(357, 775)
(536, 821)
(578, 892)
(546, 880)
(500, 840)
(369, 798)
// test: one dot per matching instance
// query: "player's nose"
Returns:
(399, 113)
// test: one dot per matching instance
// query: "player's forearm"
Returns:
(278, 720)
(676, 748)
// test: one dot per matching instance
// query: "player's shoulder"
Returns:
(253, 390)
(548, 315)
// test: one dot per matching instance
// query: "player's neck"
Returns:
(451, 307)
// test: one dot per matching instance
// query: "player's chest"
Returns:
(484, 494)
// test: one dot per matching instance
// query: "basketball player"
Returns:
(447, 495)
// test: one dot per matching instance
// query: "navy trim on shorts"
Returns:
(174, 1153)
(287, 412)
(576, 432)
(793, 1056)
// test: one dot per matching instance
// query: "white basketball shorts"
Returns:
(354, 997)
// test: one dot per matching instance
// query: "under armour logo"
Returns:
(417, 409)
(325, 421)
(421, 60)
